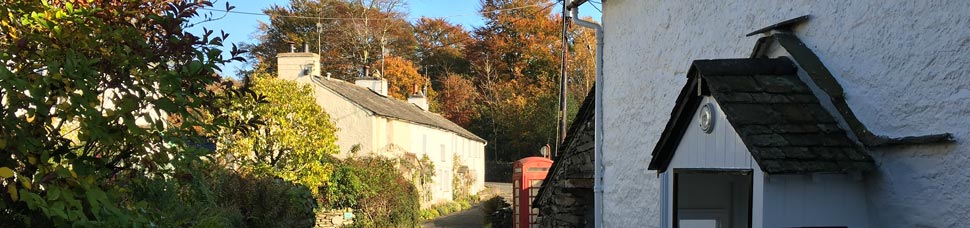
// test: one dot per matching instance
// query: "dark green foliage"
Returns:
(269, 201)
(216, 197)
(498, 213)
(99, 99)
(375, 189)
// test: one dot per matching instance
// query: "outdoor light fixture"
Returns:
(707, 118)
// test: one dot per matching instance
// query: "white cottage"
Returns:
(883, 70)
(371, 123)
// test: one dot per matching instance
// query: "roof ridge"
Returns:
(392, 107)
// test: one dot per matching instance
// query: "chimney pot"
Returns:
(306, 47)
(292, 47)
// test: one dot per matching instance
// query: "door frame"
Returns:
(675, 221)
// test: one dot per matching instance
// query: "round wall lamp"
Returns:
(706, 118)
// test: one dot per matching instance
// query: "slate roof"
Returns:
(392, 108)
(777, 116)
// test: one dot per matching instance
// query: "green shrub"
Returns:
(214, 197)
(268, 201)
(455, 206)
(464, 204)
(442, 210)
(490, 206)
(428, 214)
(374, 188)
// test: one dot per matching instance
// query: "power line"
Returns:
(537, 12)
(351, 18)
(498, 10)
(594, 6)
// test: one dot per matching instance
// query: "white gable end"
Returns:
(819, 200)
(722, 148)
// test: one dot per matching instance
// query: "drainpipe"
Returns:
(598, 119)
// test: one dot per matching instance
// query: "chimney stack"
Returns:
(419, 98)
(378, 85)
(296, 66)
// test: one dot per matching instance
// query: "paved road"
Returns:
(500, 189)
(473, 216)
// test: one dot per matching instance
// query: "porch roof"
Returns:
(776, 115)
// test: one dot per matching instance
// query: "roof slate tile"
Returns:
(767, 140)
(776, 115)
(391, 107)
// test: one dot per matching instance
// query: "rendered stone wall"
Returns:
(334, 218)
(905, 66)
(355, 125)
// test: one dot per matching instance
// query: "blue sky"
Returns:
(242, 27)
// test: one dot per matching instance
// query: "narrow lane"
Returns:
(471, 217)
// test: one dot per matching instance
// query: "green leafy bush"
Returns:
(442, 209)
(268, 201)
(216, 197)
(493, 219)
(428, 214)
(374, 188)
(464, 204)
(97, 99)
(294, 143)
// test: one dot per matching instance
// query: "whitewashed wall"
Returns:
(439, 145)
(823, 200)
(355, 125)
(378, 134)
(905, 66)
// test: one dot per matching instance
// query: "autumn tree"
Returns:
(375, 25)
(515, 66)
(352, 33)
(457, 100)
(402, 78)
(582, 62)
(519, 43)
(440, 48)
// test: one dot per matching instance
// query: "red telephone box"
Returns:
(527, 176)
